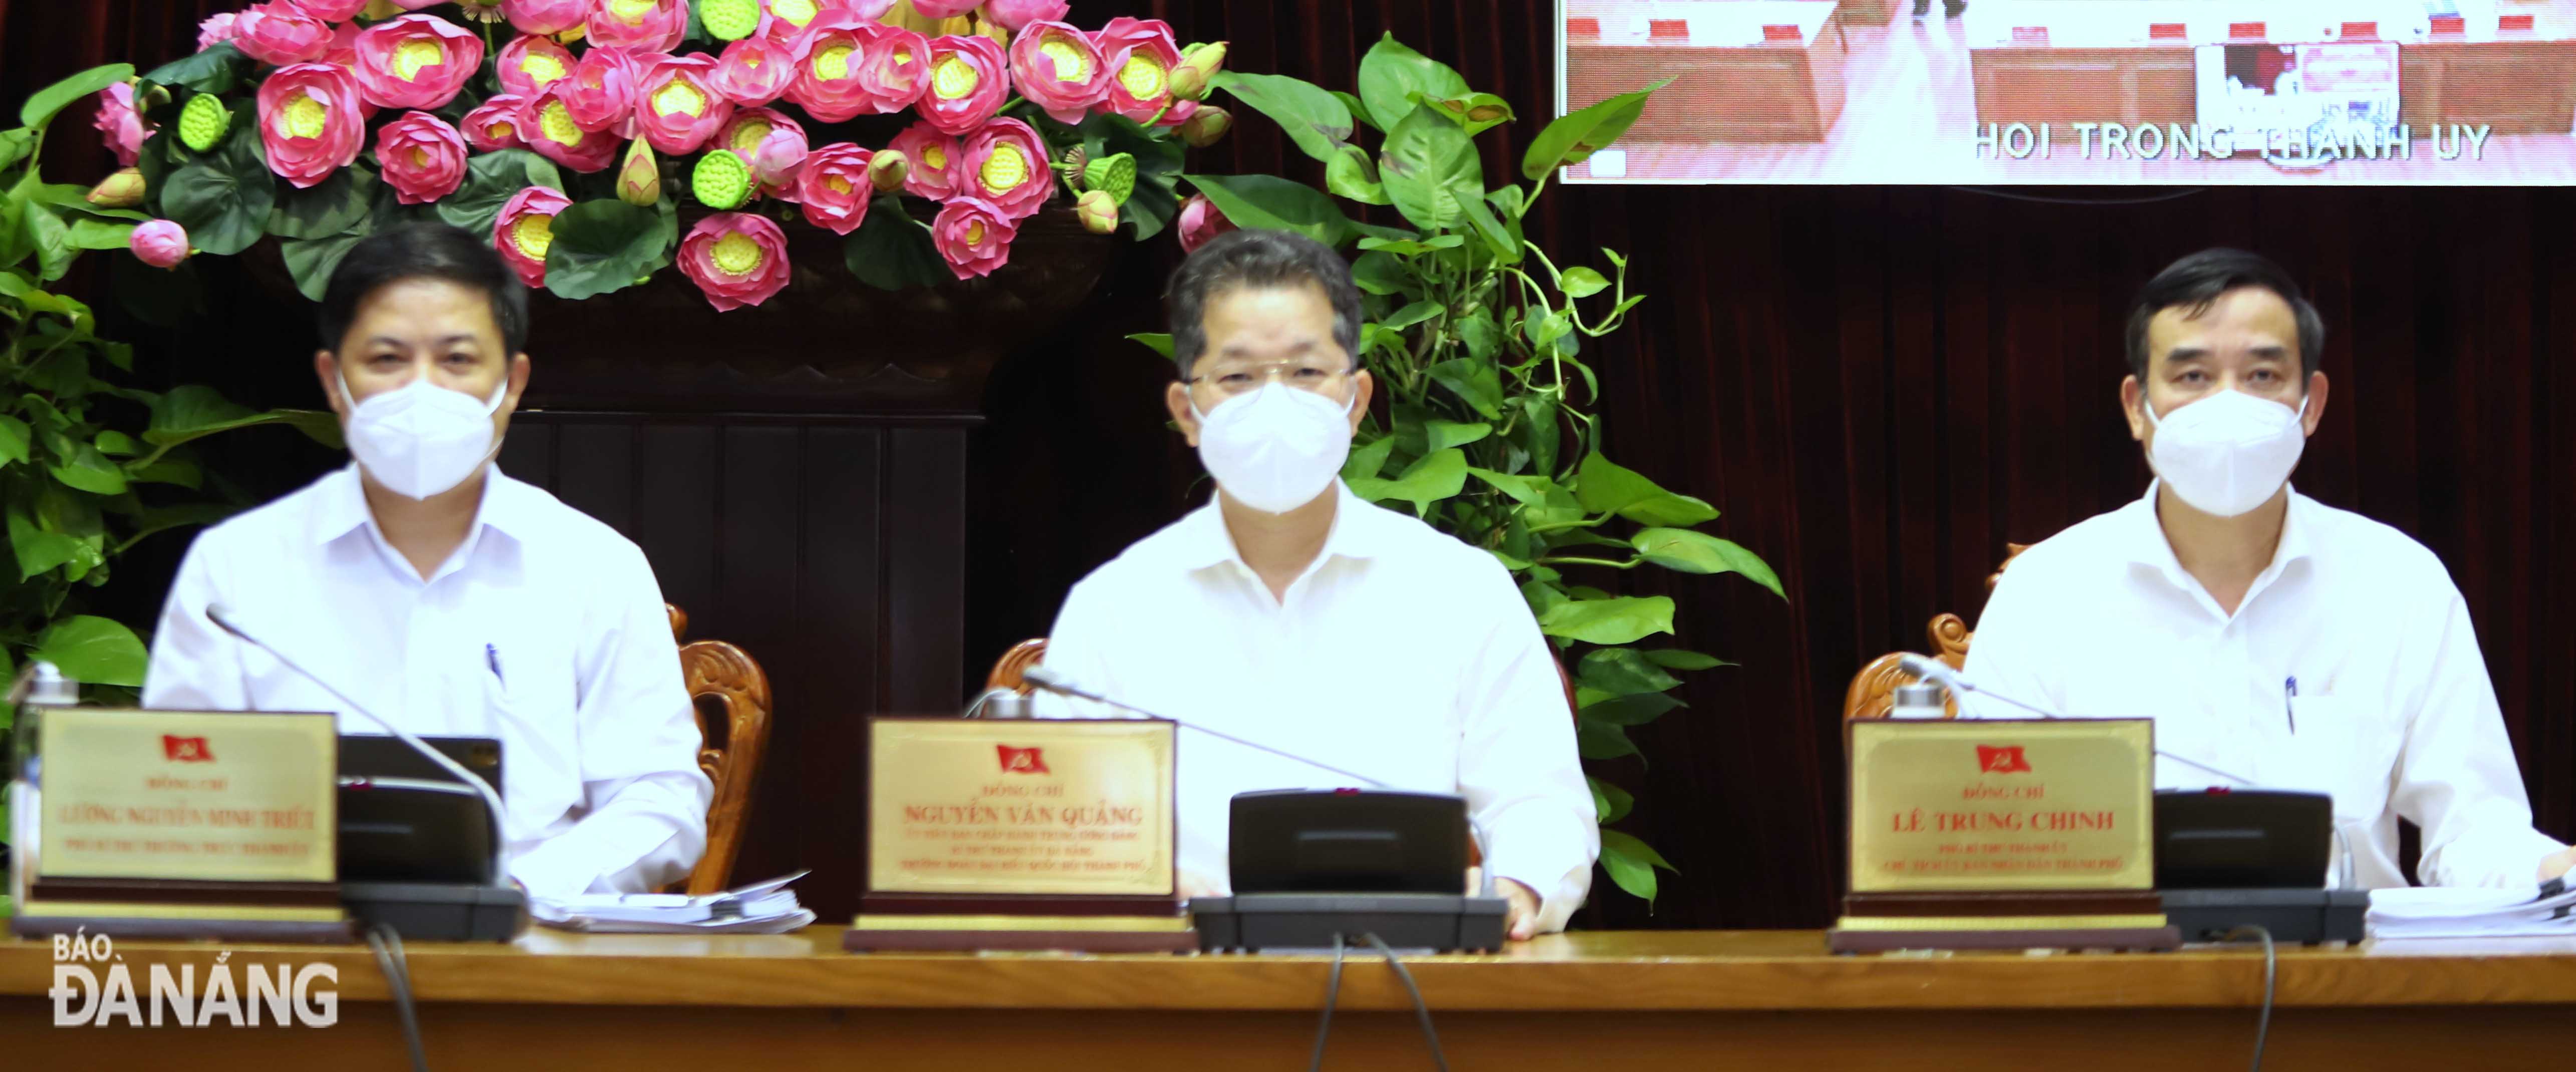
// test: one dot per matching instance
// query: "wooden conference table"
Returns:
(1649, 1000)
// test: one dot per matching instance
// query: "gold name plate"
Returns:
(2002, 806)
(187, 795)
(1066, 808)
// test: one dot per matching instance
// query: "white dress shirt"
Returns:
(1400, 653)
(544, 629)
(2394, 714)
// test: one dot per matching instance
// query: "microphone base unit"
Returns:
(1276, 922)
(2301, 916)
(439, 911)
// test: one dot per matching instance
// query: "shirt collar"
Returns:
(341, 508)
(2146, 545)
(1359, 532)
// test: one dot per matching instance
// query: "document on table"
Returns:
(2425, 912)
(760, 908)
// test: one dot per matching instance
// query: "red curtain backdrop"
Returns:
(1880, 386)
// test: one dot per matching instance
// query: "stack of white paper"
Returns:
(760, 908)
(2473, 913)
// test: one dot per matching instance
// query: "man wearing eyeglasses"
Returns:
(1291, 613)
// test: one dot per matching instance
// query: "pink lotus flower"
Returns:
(1200, 221)
(973, 236)
(311, 121)
(1058, 67)
(547, 125)
(545, 17)
(750, 126)
(945, 9)
(416, 61)
(423, 157)
(931, 154)
(777, 160)
(832, 82)
(737, 258)
(216, 30)
(601, 91)
(967, 81)
(525, 231)
(895, 67)
(120, 127)
(1006, 164)
(1016, 15)
(1179, 113)
(342, 53)
(332, 10)
(280, 33)
(160, 243)
(677, 105)
(1140, 56)
(755, 71)
(833, 188)
(642, 25)
(789, 22)
(529, 63)
(495, 125)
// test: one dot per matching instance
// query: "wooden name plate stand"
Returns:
(178, 824)
(1020, 835)
(1082, 924)
(2002, 834)
(171, 908)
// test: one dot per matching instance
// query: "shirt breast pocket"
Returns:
(2346, 747)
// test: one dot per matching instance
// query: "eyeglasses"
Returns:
(1227, 382)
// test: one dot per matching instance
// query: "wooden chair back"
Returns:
(1873, 690)
(723, 675)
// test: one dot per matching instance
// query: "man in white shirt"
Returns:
(446, 597)
(2275, 640)
(1291, 613)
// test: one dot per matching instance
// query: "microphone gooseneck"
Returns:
(1041, 677)
(1935, 670)
(491, 797)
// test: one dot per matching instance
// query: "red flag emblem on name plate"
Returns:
(186, 749)
(2005, 759)
(1022, 760)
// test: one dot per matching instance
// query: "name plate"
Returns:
(960, 806)
(208, 796)
(1996, 806)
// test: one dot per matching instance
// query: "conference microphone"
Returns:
(491, 797)
(1042, 677)
(1938, 672)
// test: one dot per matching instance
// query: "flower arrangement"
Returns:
(576, 132)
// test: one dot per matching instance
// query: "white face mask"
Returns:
(1277, 448)
(2228, 453)
(421, 439)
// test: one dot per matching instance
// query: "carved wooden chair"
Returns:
(716, 671)
(1873, 690)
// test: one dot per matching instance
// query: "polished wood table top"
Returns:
(1673, 971)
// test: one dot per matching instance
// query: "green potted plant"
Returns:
(1476, 337)
(90, 465)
